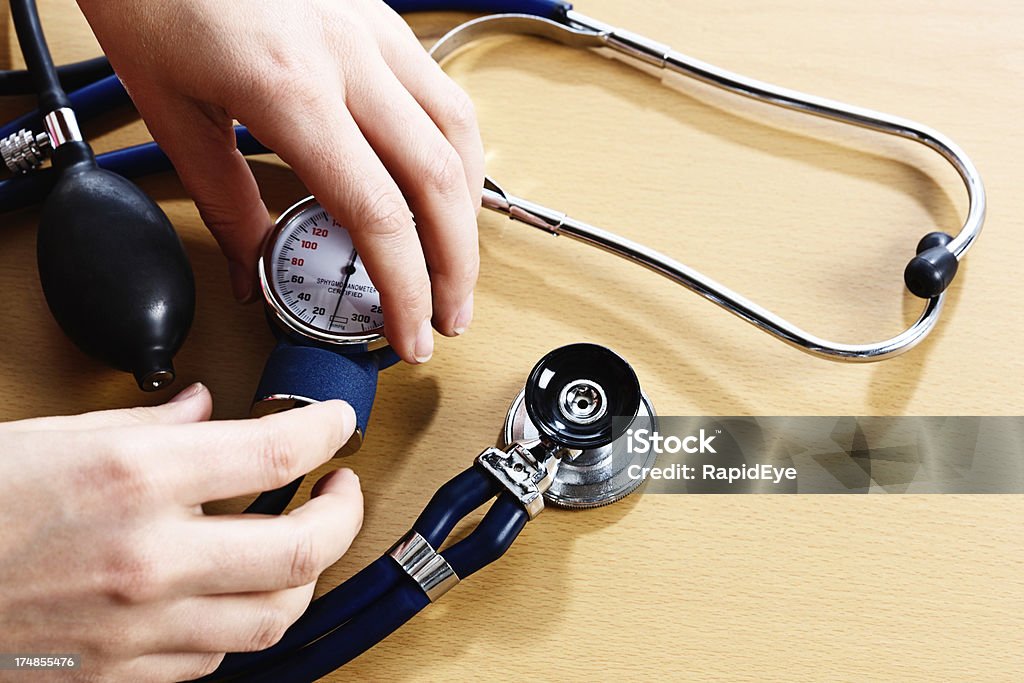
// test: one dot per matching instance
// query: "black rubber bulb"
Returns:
(931, 271)
(113, 270)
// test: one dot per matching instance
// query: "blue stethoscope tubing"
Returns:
(451, 503)
(351, 618)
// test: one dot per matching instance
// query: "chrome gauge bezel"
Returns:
(280, 312)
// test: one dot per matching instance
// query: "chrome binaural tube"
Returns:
(584, 32)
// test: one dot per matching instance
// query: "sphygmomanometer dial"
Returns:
(314, 281)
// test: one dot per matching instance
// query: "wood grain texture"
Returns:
(814, 220)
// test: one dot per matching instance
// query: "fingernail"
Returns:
(187, 393)
(347, 407)
(424, 343)
(241, 281)
(465, 316)
(343, 472)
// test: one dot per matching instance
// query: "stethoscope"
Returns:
(560, 445)
(928, 273)
(551, 442)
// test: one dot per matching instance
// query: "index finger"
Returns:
(209, 461)
(333, 159)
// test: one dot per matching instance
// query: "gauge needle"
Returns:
(349, 268)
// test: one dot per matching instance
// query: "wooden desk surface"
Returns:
(814, 220)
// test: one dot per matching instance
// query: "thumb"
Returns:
(192, 404)
(200, 141)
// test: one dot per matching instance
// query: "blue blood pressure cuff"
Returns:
(297, 374)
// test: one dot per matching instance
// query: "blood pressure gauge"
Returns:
(315, 284)
(326, 315)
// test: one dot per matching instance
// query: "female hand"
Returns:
(105, 551)
(346, 95)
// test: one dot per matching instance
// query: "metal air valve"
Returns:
(24, 151)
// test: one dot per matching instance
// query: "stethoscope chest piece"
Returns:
(584, 396)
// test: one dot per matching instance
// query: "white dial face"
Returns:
(318, 279)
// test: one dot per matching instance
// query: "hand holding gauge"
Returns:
(351, 102)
